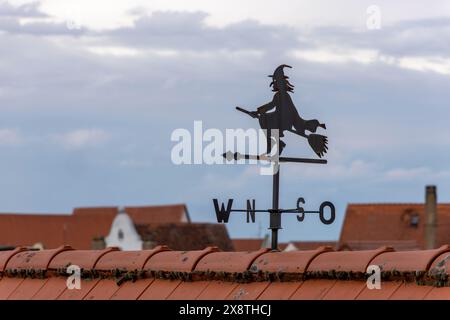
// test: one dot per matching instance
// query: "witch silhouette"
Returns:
(281, 114)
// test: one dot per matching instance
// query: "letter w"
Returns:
(222, 214)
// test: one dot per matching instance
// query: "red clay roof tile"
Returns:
(345, 290)
(177, 260)
(79, 294)
(188, 290)
(280, 290)
(27, 289)
(442, 293)
(52, 289)
(8, 285)
(290, 262)
(229, 261)
(441, 263)
(85, 259)
(103, 290)
(356, 261)
(387, 290)
(410, 291)
(314, 289)
(248, 291)
(159, 289)
(5, 256)
(38, 260)
(53, 285)
(217, 290)
(128, 260)
(131, 290)
(408, 260)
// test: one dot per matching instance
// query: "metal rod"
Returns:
(279, 210)
(303, 160)
(275, 219)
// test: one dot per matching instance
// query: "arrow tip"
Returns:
(229, 156)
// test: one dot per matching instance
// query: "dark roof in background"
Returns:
(187, 236)
(247, 244)
(79, 228)
(390, 223)
(212, 274)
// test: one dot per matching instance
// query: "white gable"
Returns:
(123, 234)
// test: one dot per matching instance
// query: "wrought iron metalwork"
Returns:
(284, 117)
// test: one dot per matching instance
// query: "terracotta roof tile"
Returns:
(217, 290)
(188, 290)
(187, 275)
(5, 256)
(441, 264)
(248, 291)
(51, 290)
(314, 289)
(128, 260)
(85, 259)
(229, 261)
(8, 285)
(289, 262)
(410, 291)
(442, 293)
(27, 289)
(103, 290)
(159, 289)
(345, 290)
(132, 290)
(408, 260)
(34, 260)
(387, 290)
(356, 261)
(85, 288)
(280, 290)
(177, 260)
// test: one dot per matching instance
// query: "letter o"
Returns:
(332, 211)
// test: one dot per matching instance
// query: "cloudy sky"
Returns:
(90, 92)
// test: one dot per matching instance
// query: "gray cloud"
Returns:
(381, 119)
(41, 24)
(27, 10)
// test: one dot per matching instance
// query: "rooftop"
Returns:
(81, 227)
(212, 274)
(402, 225)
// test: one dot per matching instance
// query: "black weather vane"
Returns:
(276, 117)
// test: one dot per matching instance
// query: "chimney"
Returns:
(430, 217)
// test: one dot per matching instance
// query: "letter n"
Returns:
(251, 211)
(223, 214)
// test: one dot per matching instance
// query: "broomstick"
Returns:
(317, 142)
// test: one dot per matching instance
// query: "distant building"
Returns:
(403, 226)
(126, 234)
(129, 228)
